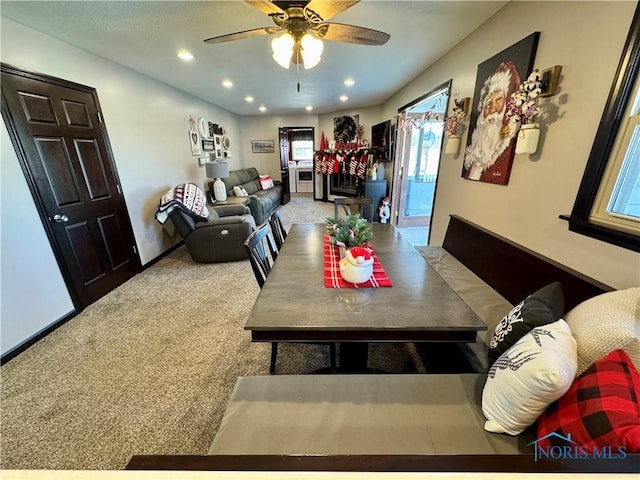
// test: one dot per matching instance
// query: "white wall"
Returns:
(147, 123)
(586, 38)
(265, 127)
(33, 293)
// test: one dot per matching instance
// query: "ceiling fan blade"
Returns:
(245, 34)
(339, 32)
(327, 9)
(265, 6)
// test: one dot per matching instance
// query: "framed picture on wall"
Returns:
(262, 146)
(194, 140)
(492, 137)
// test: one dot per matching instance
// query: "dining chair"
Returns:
(361, 205)
(263, 253)
(277, 228)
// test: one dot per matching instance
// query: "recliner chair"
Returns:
(218, 239)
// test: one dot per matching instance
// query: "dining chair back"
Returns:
(361, 205)
(277, 228)
(262, 252)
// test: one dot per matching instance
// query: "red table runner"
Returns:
(333, 279)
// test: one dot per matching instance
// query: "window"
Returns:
(617, 204)
(302, 149)
(608, 203)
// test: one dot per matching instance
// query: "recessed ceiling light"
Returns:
(349, 81)
(308, 108)
(227, 83)
(262, 108)
(343, 98)
(185, 55)
(249, 98)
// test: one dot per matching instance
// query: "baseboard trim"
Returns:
(167, 252)
(18, 349)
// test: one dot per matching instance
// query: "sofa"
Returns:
(218, 239)
(262, 202)
(410, 422)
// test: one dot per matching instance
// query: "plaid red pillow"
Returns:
(601, 409)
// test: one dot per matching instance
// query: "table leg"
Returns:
(354, 357)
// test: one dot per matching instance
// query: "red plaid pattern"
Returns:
(333, 279)
(600, 409)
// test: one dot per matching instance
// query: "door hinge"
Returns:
(400, 172)
(135, 250)
(119, 189)
(100, 117)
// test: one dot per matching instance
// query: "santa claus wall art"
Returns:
(492, 134)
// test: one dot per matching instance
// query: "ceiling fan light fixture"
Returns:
(311, 51)
(282, 48)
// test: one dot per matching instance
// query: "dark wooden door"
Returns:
(285, 157)
(57, 130)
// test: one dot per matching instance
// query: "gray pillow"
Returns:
(540, 308)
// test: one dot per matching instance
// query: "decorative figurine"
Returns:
(357, 265)
(384, 210)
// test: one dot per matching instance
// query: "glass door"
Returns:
(420, 138)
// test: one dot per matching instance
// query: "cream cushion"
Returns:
(605, 323)
(536, 371)
(240, 191)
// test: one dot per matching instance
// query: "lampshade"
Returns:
(286, 46)
(311, 50)
(217, 169)
(282, 49)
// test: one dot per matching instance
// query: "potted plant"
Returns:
(452, 126)
(523, 106)
(350, 231)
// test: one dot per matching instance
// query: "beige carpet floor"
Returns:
(148, 369)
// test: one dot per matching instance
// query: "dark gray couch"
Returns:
(262, 202)
(218, 239)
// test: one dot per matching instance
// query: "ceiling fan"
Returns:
(304, 25)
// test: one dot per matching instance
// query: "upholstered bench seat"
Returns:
(360, 414)
(488, 304)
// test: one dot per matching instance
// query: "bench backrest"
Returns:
(511, 269)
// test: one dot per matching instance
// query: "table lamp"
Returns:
(218, 170)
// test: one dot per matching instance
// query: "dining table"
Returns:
(294, 305)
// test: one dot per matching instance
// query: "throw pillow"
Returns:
(266, 182)
(600, 410)
(540, 308)
(605, 323)
(240, 191)
(534, 372)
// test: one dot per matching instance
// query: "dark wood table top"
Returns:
(294, 304)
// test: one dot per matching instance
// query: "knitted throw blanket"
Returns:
(186, 196)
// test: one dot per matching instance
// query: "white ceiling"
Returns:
(146, 36)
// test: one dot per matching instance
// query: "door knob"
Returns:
(60, 218)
